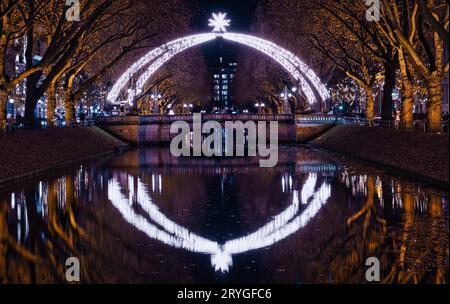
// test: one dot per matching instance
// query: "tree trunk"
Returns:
(69, 100)
(435, 97)
(69, 105)
(3, 90)
(436, 89)
(387, 104)
(407, 105)
(51, 103)
(407, 93)
(32, 97)
(370, 105)
(30, 103)
(3, 98)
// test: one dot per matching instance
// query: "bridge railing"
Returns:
(286, 118)
(158, 119)
(117, 120)
(316, 119)
(418, 125)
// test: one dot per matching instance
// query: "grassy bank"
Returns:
(421, 155)
(25, 153)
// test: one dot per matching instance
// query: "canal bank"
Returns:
(24, 154)
(422, 156)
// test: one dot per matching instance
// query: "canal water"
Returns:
(147, 217)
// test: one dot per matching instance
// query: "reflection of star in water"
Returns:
(165, 230)
(219, 22)
(221, 261)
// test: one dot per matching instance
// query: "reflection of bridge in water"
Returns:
(297, 168)
(159, 160)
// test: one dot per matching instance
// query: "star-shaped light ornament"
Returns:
(219, 22)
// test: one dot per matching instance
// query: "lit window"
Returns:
(225, 87)
(216, 76)
(224, 92)
(224, 76)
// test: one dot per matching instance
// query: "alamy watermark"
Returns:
(73, 269)
(373, 270)
(73, 10)
(373, 11)
(211, 139)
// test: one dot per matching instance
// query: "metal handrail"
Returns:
(419, 125)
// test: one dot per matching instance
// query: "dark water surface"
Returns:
(146, 217)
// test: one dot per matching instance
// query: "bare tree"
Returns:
(424, 49)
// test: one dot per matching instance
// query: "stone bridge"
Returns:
(155, 129)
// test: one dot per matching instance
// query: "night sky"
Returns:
(239, 11)
(241, 14)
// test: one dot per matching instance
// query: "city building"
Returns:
(223, 77)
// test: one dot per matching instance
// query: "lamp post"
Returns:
(286, 95)
(260, 106)
(132, 103)
(156, 96)
(188, 107)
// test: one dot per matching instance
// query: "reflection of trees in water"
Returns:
(420, 246)
(414, 252)
(403, 225)
(365, 235)
(333, 248)
(10, 248)
(48, 231)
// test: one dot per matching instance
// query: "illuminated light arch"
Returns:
(183, 43)
(156, 58)
(280, 55)
(168, 232)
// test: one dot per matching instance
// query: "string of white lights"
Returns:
(171, 50)
(177, 236)
(271, 50)
(173, 235)
(258, 240)
(308, 188)
(294, 60)
(124, 80)
(161, 55)
(276, 54)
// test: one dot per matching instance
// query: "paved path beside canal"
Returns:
(419, 155)
(26, 153)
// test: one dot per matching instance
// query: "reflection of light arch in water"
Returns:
(283, 225)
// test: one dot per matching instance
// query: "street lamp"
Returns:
(188, 106)
(156, 96)
(260, 106)
(286, 95)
